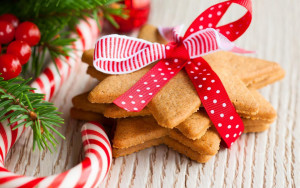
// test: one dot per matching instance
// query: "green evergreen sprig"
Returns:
(55, 19)
(19, 103)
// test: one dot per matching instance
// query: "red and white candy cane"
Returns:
(89, 173)
(115, 54)
(50, 81)
(98, 154)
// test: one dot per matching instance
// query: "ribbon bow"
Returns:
(115, 54)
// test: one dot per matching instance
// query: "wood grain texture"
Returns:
(268, 159)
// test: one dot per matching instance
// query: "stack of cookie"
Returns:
(175, 116)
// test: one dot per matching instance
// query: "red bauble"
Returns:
(7, 32)
(10, 66)
(138, 15)
(20, 49)
(28, 32)
(10, 18)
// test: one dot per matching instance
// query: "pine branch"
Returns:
(19, 104)
(55, 20)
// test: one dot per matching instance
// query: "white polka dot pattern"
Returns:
(216, 101)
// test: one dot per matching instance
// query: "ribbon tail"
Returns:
(138, 96)
(215, 100)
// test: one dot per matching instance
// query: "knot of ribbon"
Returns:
(115, 54)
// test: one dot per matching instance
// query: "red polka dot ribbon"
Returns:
(115, 54)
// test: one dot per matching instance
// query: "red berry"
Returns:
(7, 32)
(10, 18)
(28, 32)
(20, 49)
(138, 15)
(10, 66)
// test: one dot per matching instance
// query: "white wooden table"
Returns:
(269, 159)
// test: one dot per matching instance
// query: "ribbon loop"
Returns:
(208, 41)
(115, 54)
(211, 17)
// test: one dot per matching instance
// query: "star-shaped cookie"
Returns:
(178, 99)
(178, 106)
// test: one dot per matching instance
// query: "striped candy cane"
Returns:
(89, 173)
(49, 81)
(98, 155)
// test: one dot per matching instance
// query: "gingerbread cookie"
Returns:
(134, 134)
(178, 106)
(89, 116)
(81, 102)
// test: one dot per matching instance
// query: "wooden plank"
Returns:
(269, 159)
